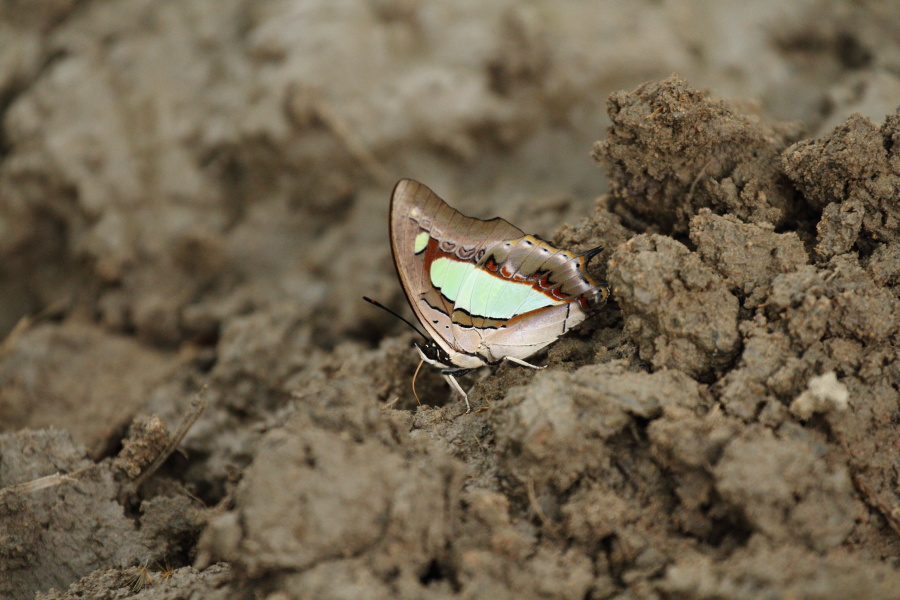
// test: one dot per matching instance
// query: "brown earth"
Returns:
(193, 196)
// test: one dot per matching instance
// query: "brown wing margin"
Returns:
(445, 223)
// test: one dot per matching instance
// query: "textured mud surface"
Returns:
(194, 195)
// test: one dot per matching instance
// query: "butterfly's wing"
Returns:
(436, 249)
(522, 296)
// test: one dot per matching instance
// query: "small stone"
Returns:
(824, 394)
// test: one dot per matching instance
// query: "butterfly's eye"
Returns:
(598, 297)
(433, 351)
(429, 348)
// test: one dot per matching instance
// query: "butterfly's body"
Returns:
(484, 290)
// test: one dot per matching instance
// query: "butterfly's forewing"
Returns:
(436, 249)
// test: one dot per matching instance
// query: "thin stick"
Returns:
(42, 483)
(29, 321)
(20, 327)
(690, 194)
(891, 514)
(532, 500)
(342, 131)
(198, 405)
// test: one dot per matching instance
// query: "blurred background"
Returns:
(166, 165)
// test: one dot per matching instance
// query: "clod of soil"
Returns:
(707, 154)
(678, 309)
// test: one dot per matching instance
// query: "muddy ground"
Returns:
(193, 199)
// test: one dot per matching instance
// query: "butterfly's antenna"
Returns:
(421, 362)
(383, 307)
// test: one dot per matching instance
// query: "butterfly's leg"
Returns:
(449, 378)
(519, 361)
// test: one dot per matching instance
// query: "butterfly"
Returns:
(484, 290)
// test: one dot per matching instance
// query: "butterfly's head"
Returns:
(433, 354)
(597, 296)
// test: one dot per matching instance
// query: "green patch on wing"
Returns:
(448, 276)
(421, 242)
(480, 293)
